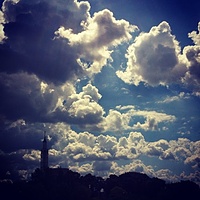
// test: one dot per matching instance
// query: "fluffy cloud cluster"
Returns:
(155, 58)
(192, 54)
(26, 97)
(74, 147)
(117, 121)
(81, 108)
(97, 154)
(86, 146)
(101, 32)
(105, 152)
(153, 119)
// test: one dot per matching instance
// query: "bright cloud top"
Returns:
(101, 32)
(155, 58)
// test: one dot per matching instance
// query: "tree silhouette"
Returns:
(64, 184)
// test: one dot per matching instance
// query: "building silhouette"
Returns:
(44, 163)
(45, 170)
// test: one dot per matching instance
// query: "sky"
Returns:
(115, 85)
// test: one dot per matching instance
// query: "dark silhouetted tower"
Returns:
(44, 154)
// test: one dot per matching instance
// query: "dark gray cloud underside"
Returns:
(30, 45)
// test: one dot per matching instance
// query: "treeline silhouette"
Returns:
(64, 184)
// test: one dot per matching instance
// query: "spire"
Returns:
(45, 140)
(44, 153)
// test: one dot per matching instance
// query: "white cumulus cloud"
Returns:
(101, 32)
(154, 58)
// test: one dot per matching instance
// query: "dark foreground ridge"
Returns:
(64, 184)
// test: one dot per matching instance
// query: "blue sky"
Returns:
(115, 84)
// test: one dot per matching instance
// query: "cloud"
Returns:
(26, 97)
(169, 99)
(85, 146)
(192, 176)
(13, 164)
(86, 111)
(32, 156)
(101, 166)
(68, 148)
(192, 77)
(136, 166)
(119, 121)
(101, 32)
(154, 58)
(17, 135)
(87, 138)
(23, 97)
(46, 48)
(31, 45)
(58, 41)
(63, 14)
(116, 121)
(30, 48)
(82, 169)
(194, 158)
(167, 175)
(2, 21)
(18, 123)
(81, 108)
(131, 147)
(156, 148)
(195, 36)
(153, 118)
(181, 149)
